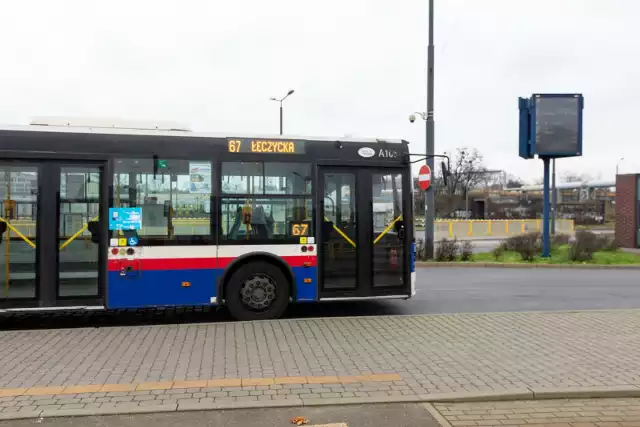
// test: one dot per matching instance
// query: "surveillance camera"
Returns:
(412, 118)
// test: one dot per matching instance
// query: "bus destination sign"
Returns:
(265, 146)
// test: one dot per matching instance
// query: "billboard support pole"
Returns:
(550, 127)
(546, 246)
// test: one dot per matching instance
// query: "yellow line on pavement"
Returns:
(169, 385)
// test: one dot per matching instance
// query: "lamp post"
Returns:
(280, 101)
(429, 197)
(554, 197)
(618, 165)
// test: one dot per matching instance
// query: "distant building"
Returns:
(628, 210)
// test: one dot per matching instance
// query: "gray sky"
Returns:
(358, 68)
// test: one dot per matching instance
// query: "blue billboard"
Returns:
(551, 125)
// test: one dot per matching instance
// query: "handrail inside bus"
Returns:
(76, 235)
(18, 233)
(342, 233)
(386, 230)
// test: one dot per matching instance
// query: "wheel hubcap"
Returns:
(258, 292)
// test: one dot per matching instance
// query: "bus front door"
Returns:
(52, 250)
(364, 246)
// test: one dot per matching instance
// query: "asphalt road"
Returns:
(375, 415)
(439, 290)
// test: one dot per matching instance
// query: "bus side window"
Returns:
(3, 228)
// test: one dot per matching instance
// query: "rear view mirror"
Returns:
(445, 173)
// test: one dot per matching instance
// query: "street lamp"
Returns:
(280, 101)
(618, 165)
(428, 117)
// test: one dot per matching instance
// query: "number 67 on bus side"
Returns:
(300, 229)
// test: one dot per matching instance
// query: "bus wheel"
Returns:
(257, 291)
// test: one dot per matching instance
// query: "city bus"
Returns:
(109, 216)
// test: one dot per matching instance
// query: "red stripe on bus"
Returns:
(292, 261)
(164, 264)
(198, 263)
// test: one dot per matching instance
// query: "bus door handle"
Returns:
(129, 269)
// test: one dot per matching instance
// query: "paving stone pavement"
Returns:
(311, 361)
(553, 413)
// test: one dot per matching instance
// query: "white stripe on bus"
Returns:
(212, 251)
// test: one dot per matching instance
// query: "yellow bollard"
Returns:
(450, 228)
(470, 233)
(506, 226)
(537, 225)
(489, 223)
(522, 227)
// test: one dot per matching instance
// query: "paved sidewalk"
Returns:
(556, 413)
(314, 361)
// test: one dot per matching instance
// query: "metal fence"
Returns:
(459, 229)
(462, 229)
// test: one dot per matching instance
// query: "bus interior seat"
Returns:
(233, 233)
(259, 223)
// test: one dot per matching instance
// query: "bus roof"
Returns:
(171, 130)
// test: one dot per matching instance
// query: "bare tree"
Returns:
(467, 167)
(514, 181)
(575, 177)
(466, 173)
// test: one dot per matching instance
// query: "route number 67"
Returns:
(300, 229)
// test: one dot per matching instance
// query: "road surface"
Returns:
(439, 290)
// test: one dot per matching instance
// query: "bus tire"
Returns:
(258, 290)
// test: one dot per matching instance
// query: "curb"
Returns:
(506, 395)
(435, 264)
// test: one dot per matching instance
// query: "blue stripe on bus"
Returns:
(162, 288)
(413, 257)
(306, 291)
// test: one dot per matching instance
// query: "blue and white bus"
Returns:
(253, 222)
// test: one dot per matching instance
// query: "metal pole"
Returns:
(280, 117)
(546, 249)
(7, 248)
(554, 198)
(429, 205)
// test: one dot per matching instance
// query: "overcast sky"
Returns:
(357, 66)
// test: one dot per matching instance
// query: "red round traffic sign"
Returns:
(424, 177)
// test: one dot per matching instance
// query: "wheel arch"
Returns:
(250, 257)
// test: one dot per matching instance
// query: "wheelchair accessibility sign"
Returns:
(132, 241)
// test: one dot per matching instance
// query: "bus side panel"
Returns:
(413, 268)
(163, 276)
(303, 265)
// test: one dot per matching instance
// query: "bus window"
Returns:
(266, 219)
(266, 201)
(175, 197)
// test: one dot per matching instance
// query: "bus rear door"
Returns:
(364, 245)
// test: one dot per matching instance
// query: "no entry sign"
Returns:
(424, 177)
